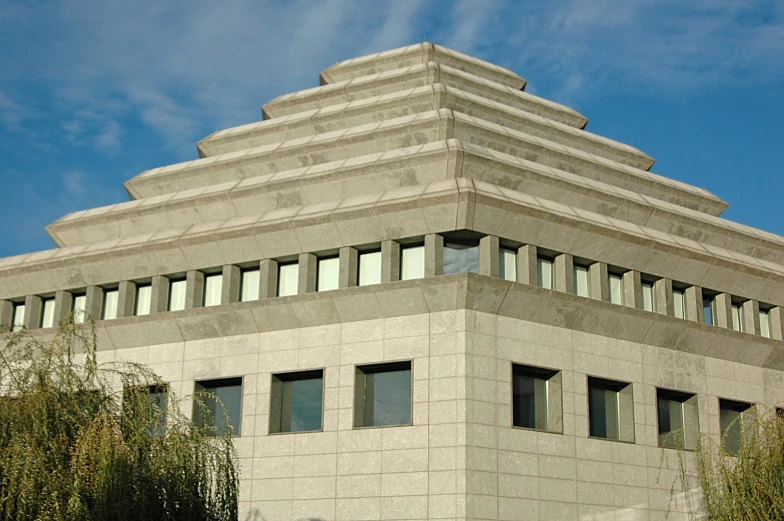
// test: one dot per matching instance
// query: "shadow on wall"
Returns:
(255, 515)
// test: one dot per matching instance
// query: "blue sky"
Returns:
(93, 93)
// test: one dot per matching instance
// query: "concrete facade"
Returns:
(426, 146)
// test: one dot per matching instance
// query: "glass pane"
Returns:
(388, 398)
(213, 285)
(249, 285)
(764, 324)
(581, 282)
(730, 414)
(603, 405)
(671, 422)
(288, 279)
(508, 268)
(616, 288)
(79, 308)
(19, 316)
(328, 274)
(544, 273)
(529, 401)
(47, 313)
(302, 404)
(679, 303)
(648, 297)
(177, 295)
(737, 323)
(216, 397)
(369, 268)
(412, 263)
(143, 300)
(461, 258)
(110, 299)
(708, 311)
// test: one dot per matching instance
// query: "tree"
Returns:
(86, 441)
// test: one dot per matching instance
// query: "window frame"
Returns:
(624, 408)
(277, 399)
(361, 395)
(689, 409)
(200, 391)
(553, 399)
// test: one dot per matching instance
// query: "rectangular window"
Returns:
(288, 279)
(648, 296)
(732, 416)
(764, 318)
(369, 268)
(297, 401)
(615, 288)
(213, 287)
(412, 262)
(177, 294)
(508, 267)
(737, 317)
(143, 300)
(147, 404)
(536, 397)
(677, 418)
(708, 310)
(544, 273)
(47, 313)
(328, 274)
(461, 257)
(249, 284)
(110, 301)
(610, 409)
(19, 316)
(582, 282)
(217, 405)
(679, 303)
(79, 309)
(383, 395)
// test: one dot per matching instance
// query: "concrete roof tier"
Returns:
(416, 54)
(405, 131)
(412, 101)
(417, 76)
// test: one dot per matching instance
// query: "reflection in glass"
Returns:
(385, 395)
(215, 402)
(461, 257)
(530, 388)
(297, 400)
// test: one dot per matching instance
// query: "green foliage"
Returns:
(83, 441)
(750, 485)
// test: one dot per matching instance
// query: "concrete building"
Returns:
(426, 294)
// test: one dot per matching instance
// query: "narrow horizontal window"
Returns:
(508, 264)
(582, 282)
(544, 273)
(328, 274)
(369, 268)
(177, 294)
(217, 405)
(47, 313)
(213, 287)
(288, 279)
(110, 301)
(143, 299)
(249, 284)
(412, 262)
(297, 401)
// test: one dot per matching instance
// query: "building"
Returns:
(426, 294)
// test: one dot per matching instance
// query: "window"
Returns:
(249, 284)
(217, 406)
(47, 313)
(764, 318)
(679, 303)
(297, 401)
(582, 283)
(19, 316)
(288, 279)
(213, 286)
(383, 395)
(79, 309)
(508, 260)
(737, 317)
(412, 262)
(733, 416)
(143, 299)
(147, 404)
(536, 398)
(677, 416)
(709, 309)
(328, 274)
(610, 409)
(461, 256)
(648, 296)
(544, 273)
(177, 294)
(110, 300)
(615, 288)
(369, 268)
